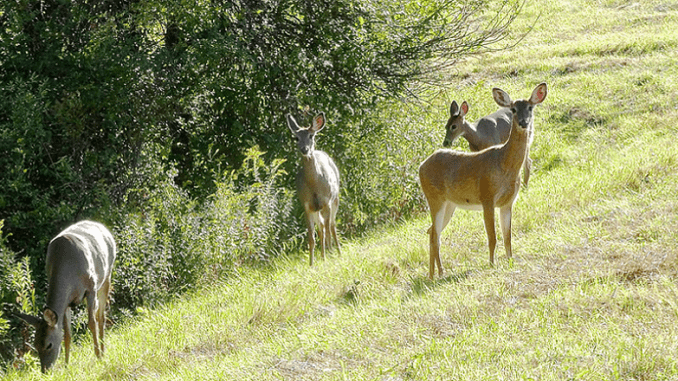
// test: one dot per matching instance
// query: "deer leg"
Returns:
(440, 220)
(434, 251)
(322, 223)
(101, 312)
(311, 238)
(449, 212)
(333, 223)
(67, 333)
(92, 309)
(505, 222)
(488, 211)
(327, 219)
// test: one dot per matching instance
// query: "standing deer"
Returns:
(317, 185)
(79, 263)
(488, 131)
(482, 180)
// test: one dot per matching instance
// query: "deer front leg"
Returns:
(311, 238)
(67, 333)
(505, 222)
(488, 211)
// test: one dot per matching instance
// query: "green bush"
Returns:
(380, 169)
(17, 291)
(174, 244)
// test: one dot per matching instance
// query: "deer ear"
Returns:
(464, 109)
(318, 122)
(454, 108)
(30, 319)
(50, 317)
(292, 124)
(539, 94)
(501, 97)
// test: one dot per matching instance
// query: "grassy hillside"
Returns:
(592, 293)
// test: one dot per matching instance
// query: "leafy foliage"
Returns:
(173, 243)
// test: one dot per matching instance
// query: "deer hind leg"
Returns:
(92, 310)
(505, 222)
(440, 218)
(327, 218)
(101, 312)
(488, 211)
(333, 223)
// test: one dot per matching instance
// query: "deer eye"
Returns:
(514, 110)
(49, 346)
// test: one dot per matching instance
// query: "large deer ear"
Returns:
(30, 319)
(464, 109)
(292, 124)
(539, 94)
(454, 108)
(318, 122)
(501, 97)
(50, 317)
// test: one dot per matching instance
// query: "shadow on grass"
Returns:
(421, 285)
(350, 294)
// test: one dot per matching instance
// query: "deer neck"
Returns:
(513, 151)
(310, 168)
(471, 135)
(60, 294)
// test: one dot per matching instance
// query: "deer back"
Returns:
(79, 259)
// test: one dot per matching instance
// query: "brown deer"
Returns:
(488, 131)
(482, 180)
(317, 186)
(79, 263)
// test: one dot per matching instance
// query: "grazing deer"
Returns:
(317, 185)
(79, 263)
(488, 131)
(482, 180)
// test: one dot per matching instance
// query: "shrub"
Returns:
(16, 289)
(173, 243)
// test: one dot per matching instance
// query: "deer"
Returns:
(317, 185)
(482, 180)
(78, 265)
(487, 131)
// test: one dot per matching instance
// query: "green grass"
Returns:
(592, 293)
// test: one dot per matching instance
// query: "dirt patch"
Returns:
(311, 366)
